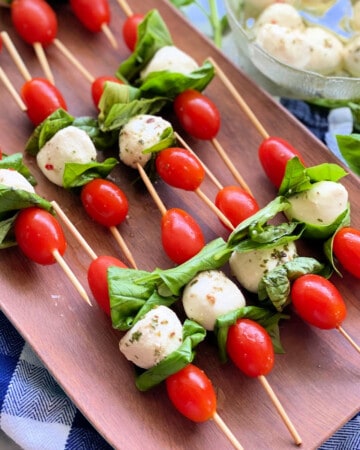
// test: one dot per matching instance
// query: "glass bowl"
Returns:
(281, 78)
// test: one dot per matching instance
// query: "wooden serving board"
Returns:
(317, 379)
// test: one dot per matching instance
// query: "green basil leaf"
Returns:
(76, 174)
(170, 84)
(349, 147)
(193, 334)
(15, 162)
(47, 129)
(275, 285)
(102, 140)
(153, 34)
(265, 317)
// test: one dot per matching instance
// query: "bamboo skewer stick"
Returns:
(151, 189)
(15, 56)
(214, 208)
(4, 78)
(108, 33)
(125, 7)
(245, 107)
(62, 263)
(231, 166)
(68, 54)
(44, 63)
(349, 338)
(280, 409)
(122, 244)
(228, 433)
(75, 232)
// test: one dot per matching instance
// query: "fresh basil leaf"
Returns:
(257, 221)
(76, 174)
(102, 140)
(171, 281)
(182, 3)
(47, 129)
(120, 102)
(193, 334)
(7, 237)
(167, 139)
(170, 84)
(275, 285)
(153, 34)
(130, 299)
(297, 178)
(349, 146)
(328, 244)
(265, 317)
(15, 162)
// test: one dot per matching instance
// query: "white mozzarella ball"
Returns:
(288, 46)
(250, 267)
(352, 56)
(281, 14)
(320, 206)
(326, 51)
(69, 145)
(172, 59)
(138, 134)
(209, 295)
(152, 338)
(14, 179)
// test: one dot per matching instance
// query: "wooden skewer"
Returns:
(214, 208)
(60, 260)
(125, 7)
(231, 166)
(151, 189)
(122, 244)
(349, 339)
(4, 78)
(68, 54)
(228, 433)
(239, 99)
(207, 170)
(44, 63)
(75, 232)
(106, 30)
(280, 409)
(15, 56)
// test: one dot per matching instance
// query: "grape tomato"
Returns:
(38, 234)
(130, 30)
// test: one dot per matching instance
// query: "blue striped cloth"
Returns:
(36, 413)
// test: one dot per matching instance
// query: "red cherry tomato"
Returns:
(236, 204)
(317, 301)
(274, 153)
(192, 393)
(41, 99)
(93, 15)
(181, 235)
(98, 85)
(197, 114)
(130, 30)
(250, 348)
(105, 202)
(34, 20)
(180, 168)
(98, 282)
(38, 234)
(346, 248)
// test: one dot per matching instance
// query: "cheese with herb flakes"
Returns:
(138, 134)
(250, 267)
(152, 338)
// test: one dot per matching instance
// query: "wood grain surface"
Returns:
(317, 379)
